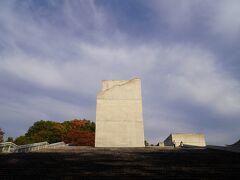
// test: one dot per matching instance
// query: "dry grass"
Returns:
(75, 162)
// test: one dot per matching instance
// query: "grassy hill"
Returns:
(74, 162)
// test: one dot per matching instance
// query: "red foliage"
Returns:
(76, 124)
(80, 138)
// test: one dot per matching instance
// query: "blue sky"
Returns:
(54, 54)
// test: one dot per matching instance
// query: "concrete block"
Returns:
(119, 116)
(192, 139)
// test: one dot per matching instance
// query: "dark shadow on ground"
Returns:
(96, 162)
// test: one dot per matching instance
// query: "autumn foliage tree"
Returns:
(75, 132)
(80, 132)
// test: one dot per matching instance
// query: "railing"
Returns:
(9, 147)
(31, 147)
(56, 145)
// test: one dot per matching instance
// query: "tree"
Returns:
(23, 140)
(84, 125)
(86, 138)
(146, 143)
(77, 131)
(46, 131)
(1, 135)
(80, 138)
(10, 139)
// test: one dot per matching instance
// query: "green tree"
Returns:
(46, 131)
(1, 135)
(146, 143)
(10, 139)
(89, 126)
(23, 140)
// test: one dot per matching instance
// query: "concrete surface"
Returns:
(192, 139)
(119, 116)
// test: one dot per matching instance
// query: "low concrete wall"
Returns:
(192, 139)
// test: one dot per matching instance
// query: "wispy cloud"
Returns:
(54, 54)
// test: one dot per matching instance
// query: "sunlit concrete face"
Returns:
(193, 139)
(119, 117)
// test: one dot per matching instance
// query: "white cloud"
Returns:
(195, 74)
(33, 70)
(217, 17)
(77, 56)
(226, 20)
(193, 71)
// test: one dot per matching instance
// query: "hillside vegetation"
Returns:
(74, 132)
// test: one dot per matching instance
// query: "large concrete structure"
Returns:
(119, 117)
(194, 139)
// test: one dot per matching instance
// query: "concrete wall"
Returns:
(119, 117)
(168, 141)
(193, 139)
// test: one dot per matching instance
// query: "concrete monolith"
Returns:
(119, 116)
